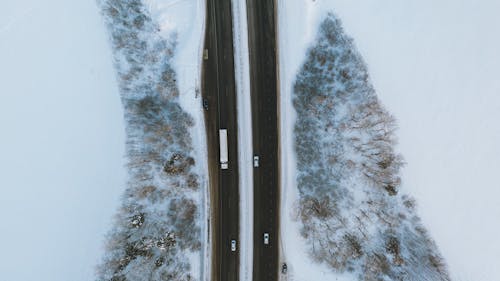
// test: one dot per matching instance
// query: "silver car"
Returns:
(266, 238)
(256, 161)
(233, 245)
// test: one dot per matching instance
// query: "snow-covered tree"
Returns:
(351, 209)
(157, 226)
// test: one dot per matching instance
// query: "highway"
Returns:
(264, 95)
(218, 85)
(219, 90)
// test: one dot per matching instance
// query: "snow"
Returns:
(290, 56)
(434, 66)
(242, 77)
(292, 43)
(186, 19)
(62, 140)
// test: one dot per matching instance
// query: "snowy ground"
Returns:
(187, 19)
(242, 76)
(62, 140)
(163, 218)
(434, 66)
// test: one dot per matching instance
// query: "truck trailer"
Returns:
(223, 149)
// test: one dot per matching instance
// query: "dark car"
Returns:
(205, 104)
(284, 268)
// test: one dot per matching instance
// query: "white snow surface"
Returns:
(434, 66)
(245, 145)
(186, 19)
(62, 140)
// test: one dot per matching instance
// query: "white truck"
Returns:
(223, 149)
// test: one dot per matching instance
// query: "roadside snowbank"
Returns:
(435, 70)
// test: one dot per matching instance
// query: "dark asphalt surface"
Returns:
(219, 89)
(263, 81)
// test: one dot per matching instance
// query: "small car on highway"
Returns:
(256, 161)
(205, 104)
(233, 245)
(284, 268)
(266, 238)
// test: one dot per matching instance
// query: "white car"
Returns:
(233, 245)
(256, 161)
(266, 238)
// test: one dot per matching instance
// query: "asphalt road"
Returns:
(219, 89)
(263, 81)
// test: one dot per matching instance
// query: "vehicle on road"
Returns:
(205, 54)
(223, 149)
(266, 238)
(233, 245)
(256, 161)
(284, 268)
(205, 104)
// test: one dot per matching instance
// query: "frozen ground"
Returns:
(242, 76)
(434, 66)
(160, 229)
(187, 20)
(62, 140)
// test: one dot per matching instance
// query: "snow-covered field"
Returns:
(62, 140)
(434, 66)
